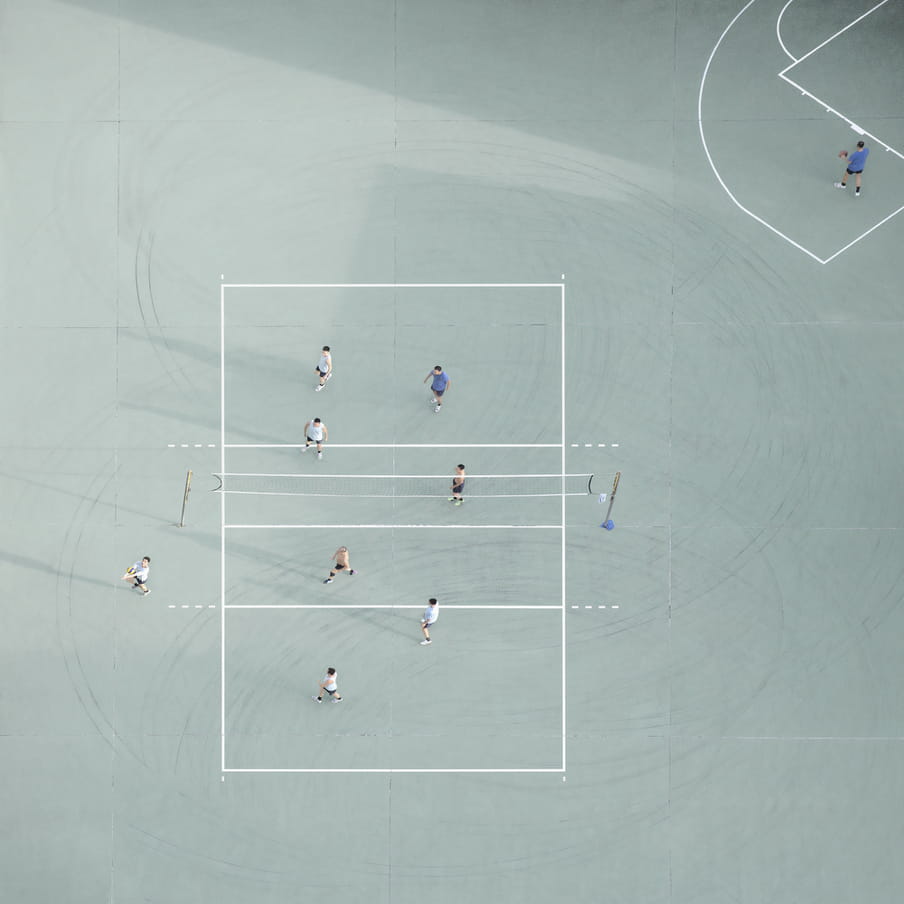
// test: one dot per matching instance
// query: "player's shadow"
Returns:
(81, 497)
(42, 566)
(379, 620)
(198, 421)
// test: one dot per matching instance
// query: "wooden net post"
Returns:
(185, 498)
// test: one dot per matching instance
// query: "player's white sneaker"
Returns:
(432, 402)
(352, 572)
(328, 581)
(436, 410)
(839, 185)
(425, 642)
(317, 699)
(319, 455)
(318, 387)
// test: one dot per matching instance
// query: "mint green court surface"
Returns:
(614, 225)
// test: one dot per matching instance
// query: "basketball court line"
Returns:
(224, 526)
(778, 32)
(828, 109)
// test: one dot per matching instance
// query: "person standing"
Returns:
(324, 369)
(137, 575)
(341, 558)
(328, 684)
(431, 613)
(315, 432)
(440, 384)
(855, 164)
(458, 485)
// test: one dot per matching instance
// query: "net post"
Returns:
(609, 524)
(185, 498)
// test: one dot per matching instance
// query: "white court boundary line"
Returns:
(518, 607)
(394, 770)
(564, 540)
(827, 108)
(224, 526)
(392, 476)
(393, 526)
(399, 445)
(222, 531)
(556, 285)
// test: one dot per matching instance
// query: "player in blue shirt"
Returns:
(440, 384)
(855, 164)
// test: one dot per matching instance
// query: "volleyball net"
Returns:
(404, 486)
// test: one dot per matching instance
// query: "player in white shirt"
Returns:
(324, 369)
(315, 432)
(137, 575)
(329, 685)
(431, 614)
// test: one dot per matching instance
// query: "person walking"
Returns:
(315, 432)
(431, 613)
(855, 164)
(137, 575)
(328, 684)
(324, 369)
(340, 556)
(440, 384)
(458, 485)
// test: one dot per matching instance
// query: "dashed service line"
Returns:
(597, 445)
(597, 607)
(187, 606)
(191, 445)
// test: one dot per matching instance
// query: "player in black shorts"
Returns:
(458, 485)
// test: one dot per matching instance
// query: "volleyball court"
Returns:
(494, 553)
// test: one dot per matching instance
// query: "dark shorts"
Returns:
(854, 172)
(318, 441)
(459, 490)
(322, 373)
(438, 393)
(138, 581)
(331, 692)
